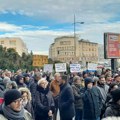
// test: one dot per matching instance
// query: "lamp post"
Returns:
(75, 34)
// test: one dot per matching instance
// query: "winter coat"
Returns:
(29, 84)
(33, 91)
(109, 97)
(66, 102)
(78, 96)
(43, 103)
(27, 116)
(21, 85)
(103, 90)
(2, 88)
(92, 104)
(29, 108)
(112, 110)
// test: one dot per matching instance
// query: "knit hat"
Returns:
(84, 72)
(26, 75)
(116, 95)
(88, 80)
(11, 95)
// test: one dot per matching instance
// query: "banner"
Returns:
(112, 45)
(48, 68)
(92, 66)
(60, 67)
(75, 68)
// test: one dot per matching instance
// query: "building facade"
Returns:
(101, 53)
(70, 49)
(40, 60)
(15, 43)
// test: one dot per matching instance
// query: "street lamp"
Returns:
(75, 33)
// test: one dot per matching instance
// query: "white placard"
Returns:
(75, 68)
(48, 68)
(92, 66)
(60, 67)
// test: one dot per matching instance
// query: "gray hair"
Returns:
(57, 74)
(76, 78)
(6, 80)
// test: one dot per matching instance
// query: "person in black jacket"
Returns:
(112, 87)
(66, 99)
(28, 81)
(33, 86)
(114, 108)
(92, 101)
(44, 103)
(20, 81)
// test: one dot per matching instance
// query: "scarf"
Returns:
(12, 115)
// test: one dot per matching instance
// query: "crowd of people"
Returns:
(34, 95)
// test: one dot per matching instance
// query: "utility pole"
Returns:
(74, 36)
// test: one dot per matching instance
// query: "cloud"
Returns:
(89, 10)
(40, 39)
(37, 39)
(99, 17)
(5, 27)
(94, 32)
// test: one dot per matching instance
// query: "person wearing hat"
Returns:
(12, 108)
(85, 74)
(20, 81)
(28, 81)
(114, 108)
(92, 101)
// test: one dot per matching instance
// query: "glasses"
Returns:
(18, 101)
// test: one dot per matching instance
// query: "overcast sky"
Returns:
(38, 22)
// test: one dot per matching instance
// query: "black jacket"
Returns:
(66, 102)
(43, 103)
(33, 89)
(29, 84)
(112, 110)
(92, 101)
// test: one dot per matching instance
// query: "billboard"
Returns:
(111, 45)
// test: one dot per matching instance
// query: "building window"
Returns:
(65, 43)
(12, 42)
(2, 42)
